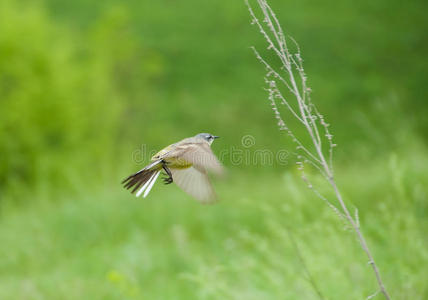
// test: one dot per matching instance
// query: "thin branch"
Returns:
(272, 70)
(357, 218)
(319, 195)
(303, 263)
(305, 94)
(310, 162)
(308, 115)
(266, 36)
(373, 295)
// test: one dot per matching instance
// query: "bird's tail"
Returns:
(144, 179)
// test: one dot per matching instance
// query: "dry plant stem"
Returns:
(307, 115)
(361, 239)
(303, 262)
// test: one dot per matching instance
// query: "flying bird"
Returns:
(186, 163)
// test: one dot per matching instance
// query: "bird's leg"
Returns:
(167, 180)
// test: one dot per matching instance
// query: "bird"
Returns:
(186, 163)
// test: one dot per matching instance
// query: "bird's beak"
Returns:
(215, 137)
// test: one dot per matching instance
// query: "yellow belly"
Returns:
(176, 163)
(172, 162)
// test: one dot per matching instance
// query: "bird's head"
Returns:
(207, 137)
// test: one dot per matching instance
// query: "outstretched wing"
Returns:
(199, 155)
(194, 182)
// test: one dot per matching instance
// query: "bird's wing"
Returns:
(199, 154)
(194, 182)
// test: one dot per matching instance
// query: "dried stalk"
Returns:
(309, 276)
(292, 76)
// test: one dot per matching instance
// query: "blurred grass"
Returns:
(84, 84)
(108, 245)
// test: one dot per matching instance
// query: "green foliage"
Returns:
(62, 94)
(46, 99)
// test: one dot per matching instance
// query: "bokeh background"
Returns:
(85, 85)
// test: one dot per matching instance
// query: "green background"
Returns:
(88, 89)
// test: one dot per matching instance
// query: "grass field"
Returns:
(105, 244)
